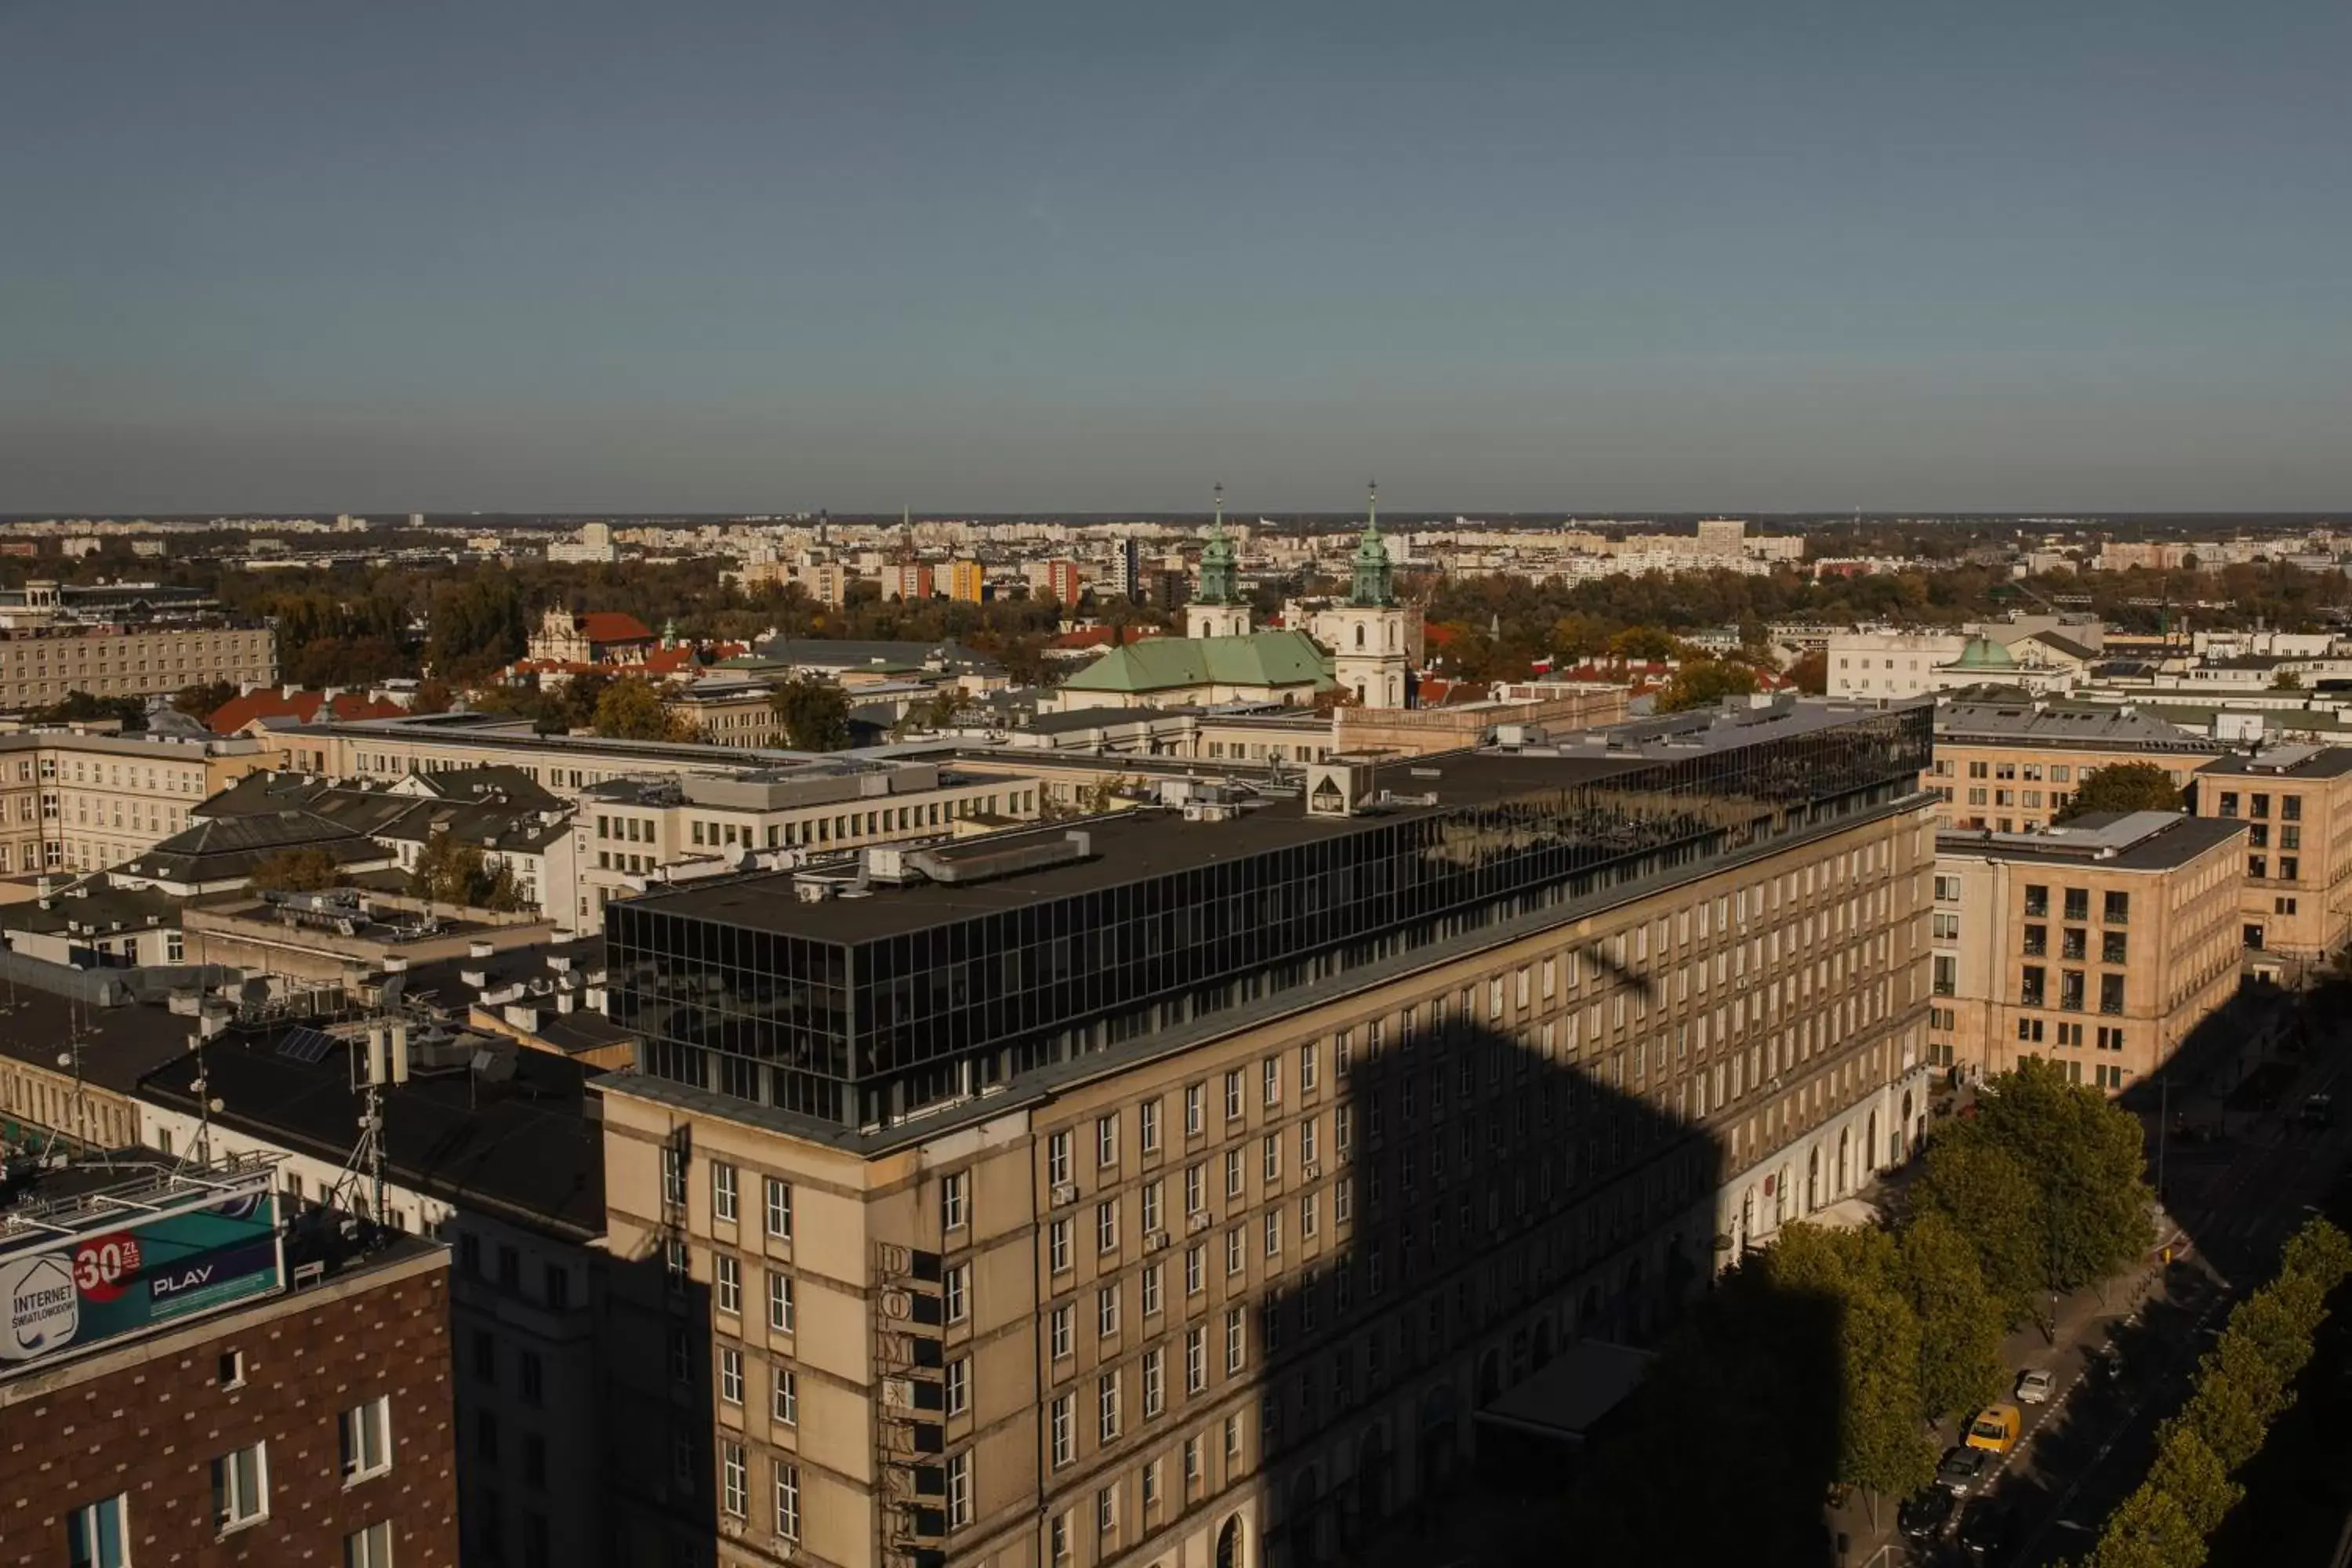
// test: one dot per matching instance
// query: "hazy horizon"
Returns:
(589, 258)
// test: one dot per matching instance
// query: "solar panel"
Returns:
(306, 1045)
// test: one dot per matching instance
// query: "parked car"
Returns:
(2034, 1386)
(1962, 1468)
(1988, 1532)
(1996, 1427)
(1926, 1511)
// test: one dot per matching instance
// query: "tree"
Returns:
(2124, 786)
(1704, 682)
(815, 714)
(631, 709)
(1959, 1321)
(447, 870)
(303, 870)
(2086, 1156)
(2288, 680)
(203, 699)
(1882, 1448)
(1644, 643)
(433, 695)
(1811, 672)
(1992, 1201)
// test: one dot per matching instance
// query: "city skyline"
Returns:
(739, 260)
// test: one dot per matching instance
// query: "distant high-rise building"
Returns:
(967, 582)
(1063, 581)
(1129, 559)
(909, 580)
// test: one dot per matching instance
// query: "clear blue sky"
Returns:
(760, 253)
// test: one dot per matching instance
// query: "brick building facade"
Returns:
(312, 1427)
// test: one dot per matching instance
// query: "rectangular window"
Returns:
(2037, 900)
(730, 1375)
(1147, 1117)
(2112, 947)
(1196, 1359)
(96, 1536)
(955, 1292)
(727, 1280)
(1063, 1430)
(2078, 904)
(1105, 1312)
(1106, 1141)
(785, 1397)
(952, 1191)
(1106, 1408)
(1057, 1159)
(1307, 1067)
(1193, 1114)
(1234, 1095)
(2111, 994)
(734, 1475)
(1236, 1339)
(782, 1315)
(673, 1175)
(788, 1500)
(241, 1487)
(959, 1491)
(1057, 1332)
(1155, 1382)
(723, 1192)
(959, 1386)
(365, 1439)
(2030, 986)
(1270, 1081)
(1106, 1226)
(369, 1548)
(780, 1209)
(1057, 1246)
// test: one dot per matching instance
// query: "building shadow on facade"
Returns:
(663, 1398)
(1476, 1375)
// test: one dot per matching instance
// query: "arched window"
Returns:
(1229, 1545)
(1360, 634)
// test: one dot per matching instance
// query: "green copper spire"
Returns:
(1371, 570)
(1220, 564)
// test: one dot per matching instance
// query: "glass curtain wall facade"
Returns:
(861, 1034)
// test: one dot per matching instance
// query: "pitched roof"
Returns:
(612, 625)
(303, 707)
(1170, 664)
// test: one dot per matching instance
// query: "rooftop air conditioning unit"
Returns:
(1196, 1224)
(1155, 1240)
(1309, 1172)
(1065, 1194)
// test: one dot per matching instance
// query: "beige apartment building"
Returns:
(725, 711)
(75, 800)
(40, 664)
(442, 742)
(2296, 804)
(2010, 767)
(974, 1223)
(628, 829)
(2101, 944)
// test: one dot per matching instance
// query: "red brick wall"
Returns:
(151, 1430)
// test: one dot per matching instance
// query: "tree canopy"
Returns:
(2124, 786)
(1704, 682)
(815, 714)
(631, 709)
(449, 871)
(305, 870)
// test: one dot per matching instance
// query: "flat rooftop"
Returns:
(1124, 847)
(2288, 762)
(2110, 840)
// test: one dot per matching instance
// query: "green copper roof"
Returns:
(1169, 664)
(1983, 653)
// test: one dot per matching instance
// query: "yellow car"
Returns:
(1995, 1429)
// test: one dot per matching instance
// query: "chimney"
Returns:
(480, 949)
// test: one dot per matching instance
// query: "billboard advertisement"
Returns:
(189, 1256)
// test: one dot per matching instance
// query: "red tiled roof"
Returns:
(303, 707)
(612, 625)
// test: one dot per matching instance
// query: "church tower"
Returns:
(1371, 652)
(1217, 610)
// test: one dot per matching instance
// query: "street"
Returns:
(2234, 1200)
